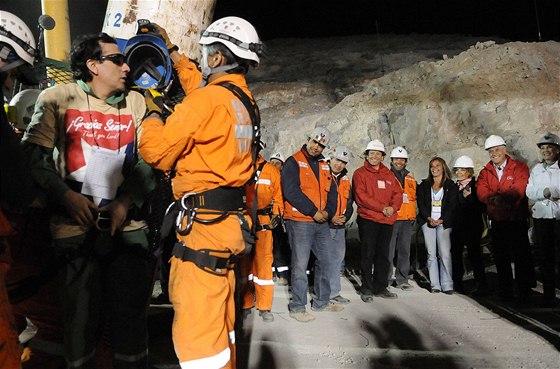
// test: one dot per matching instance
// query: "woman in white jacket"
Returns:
(544, 190)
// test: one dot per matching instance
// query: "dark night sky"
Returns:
(510, 19)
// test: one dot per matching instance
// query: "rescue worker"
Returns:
(281, 247)
(309, 203)
(501, 186)
(257, 266)
(378, 197)
(543, 190)
(399, 247)
(209, 142)
(17, 48)
(344, 210)
(94, 188)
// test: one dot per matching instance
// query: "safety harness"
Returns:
(220, 202)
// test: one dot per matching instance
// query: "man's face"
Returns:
(374, 157)
(314, 148)
(337, 166)
(108, 69)
(398, 163)
(497, 154)
(549, 153)
(277, 163)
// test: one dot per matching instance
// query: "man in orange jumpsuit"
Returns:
(257, 267)
(208, 140)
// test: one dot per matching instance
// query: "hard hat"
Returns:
(399, 152)
(376, 145)
(24, 102)
(549, 139)
(278, 156)
(321, 135)
(14, 32)
(238, 35)
(341, 153)
(463, 162)
(149, 61)
(493, 141)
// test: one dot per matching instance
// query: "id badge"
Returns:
(104, 173)
(380, 184)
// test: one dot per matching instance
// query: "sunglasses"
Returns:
(117, 59)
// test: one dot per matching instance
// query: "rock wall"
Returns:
(436, 95)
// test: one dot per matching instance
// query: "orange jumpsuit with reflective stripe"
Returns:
(207, 140)
(257, 267)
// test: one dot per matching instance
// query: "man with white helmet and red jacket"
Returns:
(379, 197)
(309, 203)
(501, 186)
(210, 141)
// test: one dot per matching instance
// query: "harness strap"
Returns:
(211, 261)
(221, 198)
(265, 211)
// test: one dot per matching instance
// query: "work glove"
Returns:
(154, 102)
(160, 31)
(274, 221)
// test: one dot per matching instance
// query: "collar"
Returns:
(111, 100)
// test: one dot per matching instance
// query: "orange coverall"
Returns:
(207, 140)
(257, 267)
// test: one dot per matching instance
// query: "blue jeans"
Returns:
(337, 251)
(438, 245)
(307, 237)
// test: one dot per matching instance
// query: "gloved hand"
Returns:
(154, 102)
(163, 33)
(274, 221)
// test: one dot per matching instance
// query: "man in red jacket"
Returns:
(501, 186)
(379, 197)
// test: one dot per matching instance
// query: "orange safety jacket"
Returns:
(269, 191)
(408, 209)
(343, 187)
(316, 190)
(207, 140)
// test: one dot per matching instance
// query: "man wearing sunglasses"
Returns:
(94, 181)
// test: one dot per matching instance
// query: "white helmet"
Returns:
(341, 153)
(278, 156)
(236, 34)
(493, 141)
(321, 135)
(376, 145)
(549, 139)
(399, 152)
(15, 33)
(24, 102)
(463, 162)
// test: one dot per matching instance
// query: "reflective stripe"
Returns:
(212, 362)
(81, 361)
(282, 269)
(250, 277)
(232, 337)
(263, 282)
(264, 181)
(131, 358)
(243, 131)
